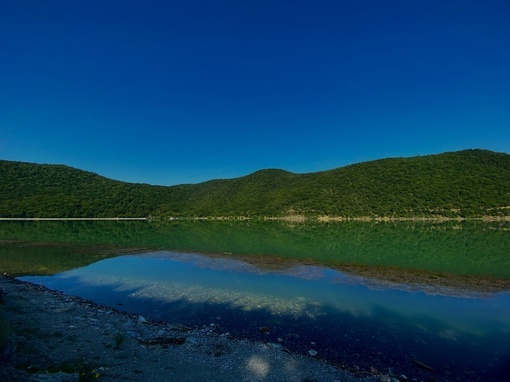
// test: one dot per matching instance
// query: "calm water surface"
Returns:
(462, 333)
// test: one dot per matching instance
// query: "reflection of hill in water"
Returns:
(365, 248)
(44, 259)
(373, 276)
(447, 284)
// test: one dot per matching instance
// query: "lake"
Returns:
(361, 294)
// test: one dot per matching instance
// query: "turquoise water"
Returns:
(359, 293)
(345, 319)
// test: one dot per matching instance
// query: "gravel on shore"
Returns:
(49, 336)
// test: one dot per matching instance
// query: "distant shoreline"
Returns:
(289, 218)
(61, 219)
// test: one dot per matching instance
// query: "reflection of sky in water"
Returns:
(165, 277)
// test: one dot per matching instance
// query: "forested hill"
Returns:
(468, 183)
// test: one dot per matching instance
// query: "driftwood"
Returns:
(163, 341)
(422, 365)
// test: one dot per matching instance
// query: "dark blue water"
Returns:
(348, 320)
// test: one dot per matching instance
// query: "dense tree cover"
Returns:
(32, 190)
(466, 183)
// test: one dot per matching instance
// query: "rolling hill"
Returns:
(469, 183)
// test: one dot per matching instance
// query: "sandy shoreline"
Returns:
(48, 336)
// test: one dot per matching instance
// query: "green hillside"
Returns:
(468, 183)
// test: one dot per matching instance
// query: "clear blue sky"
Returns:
(170, 92)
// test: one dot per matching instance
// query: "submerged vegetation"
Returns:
(467, 248)
(470, 183)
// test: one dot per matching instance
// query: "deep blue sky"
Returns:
(170, 92)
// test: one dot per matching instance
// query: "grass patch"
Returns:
(119, 337)
(86, 371)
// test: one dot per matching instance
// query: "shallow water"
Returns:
(360, 294)
(340, 315)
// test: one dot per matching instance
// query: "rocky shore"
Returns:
(48, 336)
